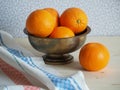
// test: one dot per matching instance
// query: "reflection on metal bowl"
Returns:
(57, 49)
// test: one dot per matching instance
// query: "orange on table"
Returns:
(94, 56)
(62, 32)
(54, 14)
(40, 23)
(75, 19)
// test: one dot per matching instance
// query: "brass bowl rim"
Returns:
(85, 32)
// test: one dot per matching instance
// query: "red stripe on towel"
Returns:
(31, 88)
(16, 76)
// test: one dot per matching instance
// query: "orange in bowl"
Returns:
(62, 32)
(40, 23)
(75, 19)
(55, 15)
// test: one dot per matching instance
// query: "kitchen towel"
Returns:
(29, 72)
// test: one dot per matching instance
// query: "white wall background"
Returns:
(104, 15)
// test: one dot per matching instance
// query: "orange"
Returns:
(62, 32)
(40, 23)
(54, 14)
(94, 56)
(75, 19)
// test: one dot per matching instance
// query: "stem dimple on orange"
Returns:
(73, 16)
(78, 21)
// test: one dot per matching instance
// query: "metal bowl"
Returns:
(57, 49)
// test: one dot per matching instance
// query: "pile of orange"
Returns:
(47, 22)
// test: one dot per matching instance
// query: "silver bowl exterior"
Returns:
(58, 45)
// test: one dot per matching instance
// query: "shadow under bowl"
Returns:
(57, 49)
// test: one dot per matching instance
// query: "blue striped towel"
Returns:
(23, 60)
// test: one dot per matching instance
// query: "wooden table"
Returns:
(105, 79)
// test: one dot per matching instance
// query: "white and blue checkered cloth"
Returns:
(21, 59)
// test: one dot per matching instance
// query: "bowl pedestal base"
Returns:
(57, 59)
